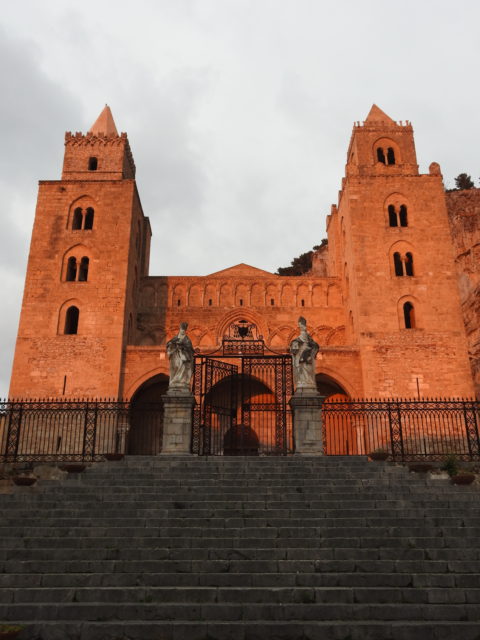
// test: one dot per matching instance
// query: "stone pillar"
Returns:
(177, 422)
(307, 421)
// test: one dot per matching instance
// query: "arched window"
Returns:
(397, 261)
(403, 216)
(272, 302)
(209, 302)
(390, 156)
(241, 302)
(77, 219)
(409, 264)
(392, 216)
(409, 315)
(303, 302)
(381, 155)
(71, 321)
(71, 274)
(89, 218)
(92, 164)
(83, 271)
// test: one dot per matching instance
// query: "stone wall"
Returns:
(464, 216)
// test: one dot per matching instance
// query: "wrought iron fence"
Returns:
(51, 430)
(408, 429)
(58, 430)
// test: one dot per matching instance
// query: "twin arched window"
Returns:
(386, 155)
(83, 218)
(77, 271)
(403, 265)
(397, 218)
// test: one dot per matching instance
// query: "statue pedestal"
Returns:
(307, 421)
(177, 422)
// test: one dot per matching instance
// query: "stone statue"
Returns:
(304, 350)
(180, 354)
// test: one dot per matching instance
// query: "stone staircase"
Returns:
(241, 549)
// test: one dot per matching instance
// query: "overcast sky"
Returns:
(238, 113)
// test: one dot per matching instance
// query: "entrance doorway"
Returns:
(242, 398)
(146, 418)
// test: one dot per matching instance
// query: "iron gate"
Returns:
(242, 401)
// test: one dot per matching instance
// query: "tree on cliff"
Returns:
(301, 264)
(464, 181)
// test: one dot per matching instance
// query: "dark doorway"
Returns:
(242, 405)
(146, 417)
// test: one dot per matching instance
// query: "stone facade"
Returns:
(382, 299)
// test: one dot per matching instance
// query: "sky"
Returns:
(238, 113)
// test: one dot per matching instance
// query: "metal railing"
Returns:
(408, 429)
(86, 430)
(81, 430)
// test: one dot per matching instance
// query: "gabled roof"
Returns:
(242, 269)
(104, 124)
(377, 115)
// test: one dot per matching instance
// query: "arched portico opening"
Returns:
(146, 417)
(242, 403)
(236, 427)
(339, 430)
(327, 386)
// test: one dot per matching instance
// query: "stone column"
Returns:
(307, 421)
(177, 422)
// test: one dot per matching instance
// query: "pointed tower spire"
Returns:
(104, 124)
(377, 115)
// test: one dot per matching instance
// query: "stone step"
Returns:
(243, 543)
(255, 595)
(241, 580)
(238, 566)
(180, 519)
(259, 630)
(271, 533)
(109, 552)
(99, 611)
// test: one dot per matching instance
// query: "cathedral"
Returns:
(391, 298)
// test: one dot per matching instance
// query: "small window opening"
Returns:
(392, 216)
(241, 302)
(77, 219)
(303, 302)
(83, 271)
(178, 303)
(272, 302)
(381, 155)
(92, 164)
(409, 315)
(71, 270)
(209, 302)
(89, 218)
(409, 264)
(403, 216)
(390, 156)
(71, 320)
(397, 261)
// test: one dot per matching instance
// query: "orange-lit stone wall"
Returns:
(47, 362)
(464, 214)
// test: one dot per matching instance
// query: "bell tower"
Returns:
(396, 262)
(89, 247)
